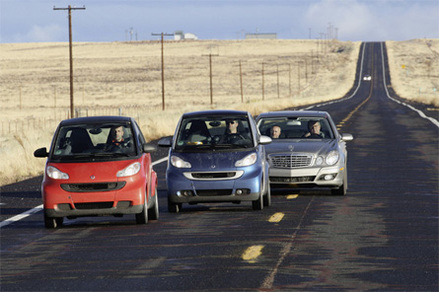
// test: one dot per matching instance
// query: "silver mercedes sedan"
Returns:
(306, 150)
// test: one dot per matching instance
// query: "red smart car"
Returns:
(98, 166)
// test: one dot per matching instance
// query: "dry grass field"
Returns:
(125, 78)
(414, 69)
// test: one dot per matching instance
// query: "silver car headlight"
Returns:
(179, 163)
(247, 161)
(332, 157)
(130, 170)
(319, 160)
(55, 173)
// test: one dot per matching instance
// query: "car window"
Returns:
(294, 127)
(94, 140)
(214, 133)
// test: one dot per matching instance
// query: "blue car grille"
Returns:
(214, 192)
(210, 175)
(291, 161)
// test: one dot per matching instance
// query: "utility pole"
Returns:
(163, 67)
(289, 78)
(240, 79)
(70, 8)
(277, 72)
(210, 70)
(263, 81)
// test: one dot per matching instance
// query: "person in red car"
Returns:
(118, 141)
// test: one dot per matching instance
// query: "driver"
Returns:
(118, 141)
(314, 130)
(232, 136)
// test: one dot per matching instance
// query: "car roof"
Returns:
(216, 113)
(322, 114)
(97, 119)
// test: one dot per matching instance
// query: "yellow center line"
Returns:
(276, 217)
(352, 112)
(252, 253)
(292, 196)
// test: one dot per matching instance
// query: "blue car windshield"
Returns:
(91, 140)
(208, 133)
(295, 128)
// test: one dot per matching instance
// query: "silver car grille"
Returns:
(291, 161)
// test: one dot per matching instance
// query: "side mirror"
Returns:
(347, 137)
(165, 142)
(264, 140)
(148, 148)
(41, 152)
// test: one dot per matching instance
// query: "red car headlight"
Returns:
(55, 173)
(130, 170)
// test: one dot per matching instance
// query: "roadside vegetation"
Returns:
(125, 79)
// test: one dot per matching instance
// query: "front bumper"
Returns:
(308, 177)
(182, 188)
(64, 199)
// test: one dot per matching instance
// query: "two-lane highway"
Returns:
(382, 236)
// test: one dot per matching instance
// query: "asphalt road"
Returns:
(382, 236)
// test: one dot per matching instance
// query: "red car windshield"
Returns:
(94, 140)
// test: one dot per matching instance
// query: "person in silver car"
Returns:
(308, 153)
(314, 130)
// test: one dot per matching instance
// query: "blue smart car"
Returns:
(217, 156)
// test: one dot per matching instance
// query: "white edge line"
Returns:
(352, 95)
(420, 113)
(40, 207)
(160, 161)
(21, 216)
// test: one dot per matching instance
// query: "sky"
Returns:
(125, 20)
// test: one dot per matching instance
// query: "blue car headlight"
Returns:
(247, 161)
(179, 163)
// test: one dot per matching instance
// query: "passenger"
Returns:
(314, 130)
(275, 132)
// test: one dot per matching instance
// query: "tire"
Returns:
(267, 195)
(259, 203)
(52, 222)
(153, 214)
(341, 191)
(174, 207)
(142, 217)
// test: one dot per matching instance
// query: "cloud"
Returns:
(351, 19)
(374, 20)
(42, 33)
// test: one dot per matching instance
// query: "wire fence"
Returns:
(133, 92)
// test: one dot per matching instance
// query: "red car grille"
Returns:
(93, 187)
(92, 206)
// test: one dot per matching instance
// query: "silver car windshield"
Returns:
(90, 140)
(296, 128)
(214, 133)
